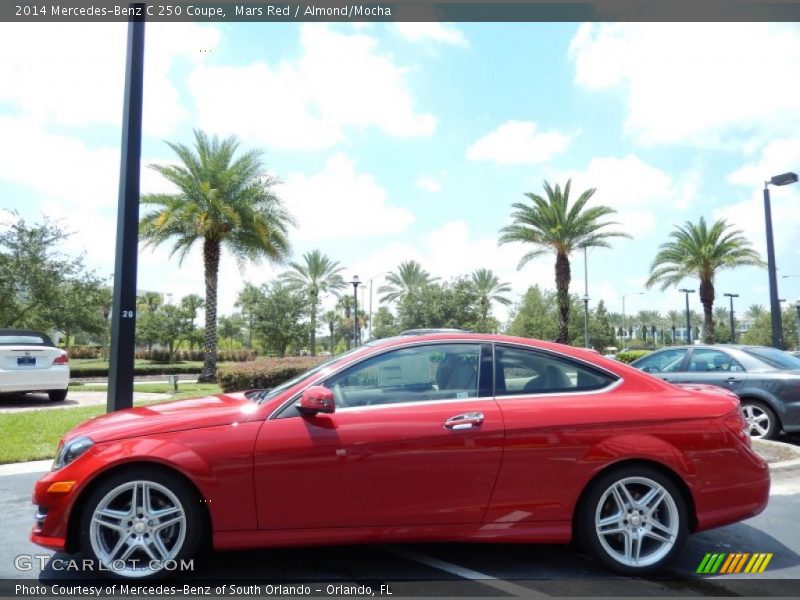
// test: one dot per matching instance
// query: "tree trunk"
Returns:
(211, 266)
(707, 299)
(314, 299)
(563, 276)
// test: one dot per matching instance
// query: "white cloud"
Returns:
(628, 185)
(519, 143)
(339, 81)
(341, 203)
(430, 183)
(778, 156)
(439, 33)
(700, 83)
(72, 74)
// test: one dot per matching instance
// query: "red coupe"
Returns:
(432, 437)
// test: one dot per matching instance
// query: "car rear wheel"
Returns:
(633, 520)
(57, 395)
(762, 423)
(137, 522)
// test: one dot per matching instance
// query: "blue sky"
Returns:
(401, 141)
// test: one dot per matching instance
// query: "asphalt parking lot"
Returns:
(463, 569)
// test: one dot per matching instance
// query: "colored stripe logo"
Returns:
(726, 563)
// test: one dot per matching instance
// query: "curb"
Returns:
(34, 466)
(784, 464)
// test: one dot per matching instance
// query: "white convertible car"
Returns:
(31, 362)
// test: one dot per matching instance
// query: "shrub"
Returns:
(264, 372)
(631, 355)
(83, 352)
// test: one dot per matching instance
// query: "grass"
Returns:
(34, 434)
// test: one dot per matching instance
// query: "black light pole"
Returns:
(355, 283)
(123, 317)
(585, 300)
(797, 306)
(688, 319)
(774, 304)
(733, 327)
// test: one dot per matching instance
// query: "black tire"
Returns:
(184, 494)
(673, 512)
(755, 412)
(57, 395)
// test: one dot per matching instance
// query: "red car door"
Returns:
(416, 439)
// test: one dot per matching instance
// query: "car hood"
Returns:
(195, 413)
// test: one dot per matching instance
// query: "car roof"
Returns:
(44, 336)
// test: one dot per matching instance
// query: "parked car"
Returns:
(31, 362)
(431, 437)
(767, 380)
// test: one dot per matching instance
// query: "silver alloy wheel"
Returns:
(758, 421)
(137, 527)
(637, 521)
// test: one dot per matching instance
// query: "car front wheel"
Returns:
(633, 520)
(140, 522)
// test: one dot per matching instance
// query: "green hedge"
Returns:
(264, 372)
(156, 369)
(632, 355)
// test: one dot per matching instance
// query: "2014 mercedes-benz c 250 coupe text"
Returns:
(424, 437)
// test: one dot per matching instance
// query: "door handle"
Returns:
(465, 421)
(732, 379)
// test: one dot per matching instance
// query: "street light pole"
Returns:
(688, 318)
(733, 328)
(585, 299)
(797, 306)
(355, 284)
(774, 304)
(623, 308)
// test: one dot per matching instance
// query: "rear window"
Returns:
(16, 340)
(775, 358)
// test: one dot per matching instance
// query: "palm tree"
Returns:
(755, 311)
(697, 250)
(330, 318)
(409, 276)
(551, 225)
(489, 289)
(224, 203)
(316, 275)
(346, 305)
(246, 302)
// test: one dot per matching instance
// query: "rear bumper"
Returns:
(731, 503)
(34, 380)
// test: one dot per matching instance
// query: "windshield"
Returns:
(775, 358)
(271, 393)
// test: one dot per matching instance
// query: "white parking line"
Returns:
(465, 573)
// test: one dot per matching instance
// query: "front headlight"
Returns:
(70, 451)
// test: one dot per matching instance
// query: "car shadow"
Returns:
(31, 400)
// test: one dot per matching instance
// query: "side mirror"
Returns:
(316, 399)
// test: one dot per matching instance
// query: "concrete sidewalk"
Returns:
(10, 403)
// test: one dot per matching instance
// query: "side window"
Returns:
(420, 373)
(707, 360)
(520, 372)
(666, 361)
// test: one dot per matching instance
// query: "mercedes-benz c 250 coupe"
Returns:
(433, 437)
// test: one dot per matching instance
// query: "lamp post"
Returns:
(774, 305)
(623, 307)
(688, 318)
(733, 329)
(585, 299)
(355, 283)
(369, 322)
(797, 306)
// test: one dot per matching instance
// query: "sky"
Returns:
(400, 141)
